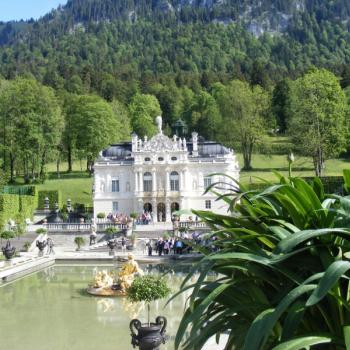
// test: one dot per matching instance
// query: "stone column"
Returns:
(154, 210)
(167, 211)
(184, 180)
(140, 181)
(181, 178)
(154, 180)
(167, 179)
(136, 181)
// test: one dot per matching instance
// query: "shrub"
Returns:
(41, 231)
(101, 215)
(26, 246)
(111, 230)
(53, 196)
(79, 241)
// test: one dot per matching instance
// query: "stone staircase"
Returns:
(153, 231)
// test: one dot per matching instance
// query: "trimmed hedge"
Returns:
(27, 205)
(54, 197)
(9, 208)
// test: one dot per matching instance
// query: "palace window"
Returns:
(174, 181)
(173, 158)
(115, 207)
(207, 182)
(147, 182)
(208, 204)
(147, 159)
(160, 159)
(115, 185)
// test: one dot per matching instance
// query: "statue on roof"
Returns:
(159, 122)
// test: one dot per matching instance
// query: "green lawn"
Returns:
(302, 166)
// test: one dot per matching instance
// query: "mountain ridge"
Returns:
(127, 39)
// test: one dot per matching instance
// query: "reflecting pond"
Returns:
(50, 310)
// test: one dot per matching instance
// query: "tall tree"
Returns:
(95, 126)
(33, 124)
(280, 104)
(143, 111)
(243, 109)
(206, 117)
(318, 124)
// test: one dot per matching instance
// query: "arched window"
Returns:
(147, 182)
(174, 181)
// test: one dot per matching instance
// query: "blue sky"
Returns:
(25, 9)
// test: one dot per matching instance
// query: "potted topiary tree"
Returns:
(147, 289)
(101, 216)
(79, 241)
(9, 251)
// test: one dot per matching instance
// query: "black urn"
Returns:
(9, 251)
(112, 245)
(41, 245)
(148, 337)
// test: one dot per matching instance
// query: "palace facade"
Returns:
(161, 175)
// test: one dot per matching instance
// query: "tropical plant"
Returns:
(79, 241)
(147, 288)
(282, 271)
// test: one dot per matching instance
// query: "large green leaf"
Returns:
(303, 342)
(328, 280)
(264, 323)
(291, 242)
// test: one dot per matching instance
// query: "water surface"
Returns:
(50, 310)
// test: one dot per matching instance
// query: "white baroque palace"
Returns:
(161, 175)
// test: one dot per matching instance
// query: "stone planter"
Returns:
(148, 337)
(9, 251)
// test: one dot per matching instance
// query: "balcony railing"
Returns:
(193, 224)
(82, 227)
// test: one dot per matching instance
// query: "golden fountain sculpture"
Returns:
(105, 284)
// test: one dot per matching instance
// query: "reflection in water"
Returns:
(54, 304)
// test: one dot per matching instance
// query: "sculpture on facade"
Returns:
(159, 122)
(105, 284)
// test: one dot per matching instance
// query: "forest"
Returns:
(105, 68)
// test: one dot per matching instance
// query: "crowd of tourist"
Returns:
(119, 218)
(176, 245)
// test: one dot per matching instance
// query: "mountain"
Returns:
(109, 45)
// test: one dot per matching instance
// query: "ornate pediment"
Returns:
(160, 143)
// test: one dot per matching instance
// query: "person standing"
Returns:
(50, 246)
(123, 245)
(166, 247)
(160, 246)
(149, 247)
